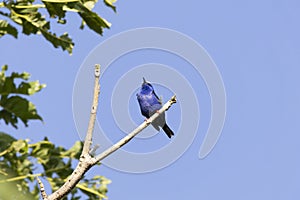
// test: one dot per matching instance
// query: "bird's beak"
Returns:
(144, 80)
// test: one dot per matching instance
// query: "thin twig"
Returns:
(86, 161)
(127, 138)
(42, 188)
(89, 134)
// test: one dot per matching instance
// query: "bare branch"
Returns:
(86, 160)
(42, 188)
(127, 138)
(89, 134)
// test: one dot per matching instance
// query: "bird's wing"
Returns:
(158, 99)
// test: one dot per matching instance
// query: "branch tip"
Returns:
(173, 99)
(128, 137)
(86, 160)
(97, 70)
(42, 188)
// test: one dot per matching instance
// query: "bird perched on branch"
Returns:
(149, 104)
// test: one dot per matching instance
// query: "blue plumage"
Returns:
(149, 104)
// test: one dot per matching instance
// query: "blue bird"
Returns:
(149, 104)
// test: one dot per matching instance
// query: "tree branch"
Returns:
(136, 131)
(86, 160)
(89, 134)
(42, 188)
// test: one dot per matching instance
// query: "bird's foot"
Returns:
(147, 120)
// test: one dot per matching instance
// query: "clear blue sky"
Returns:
(256, 48)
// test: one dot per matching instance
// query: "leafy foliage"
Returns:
(12, 105)
(6, 28)
(19, 160)
(28, 14)
(93, 21)
(94, 188)
(110, 3)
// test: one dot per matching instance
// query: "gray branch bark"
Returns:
(86, 160)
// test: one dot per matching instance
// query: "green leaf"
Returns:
(93, 21)
(110, 3)
(14, 107)
(33, 22)
(74, 151)
(6, 28)
(29, 88)
(95, 188)
(9, 118)
(24, 75)
(19, 108)
(41, 150)
(20, 146)
(63, 41)
(29, 28)
(85, 188)
(90, 4)
(7, 85)
(55, 9)
(4, 68)
(18, 162)
(5, 141)
(12, 191)
(60, 1)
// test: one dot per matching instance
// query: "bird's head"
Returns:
(146, 87)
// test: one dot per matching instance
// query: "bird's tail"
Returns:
(167, 130)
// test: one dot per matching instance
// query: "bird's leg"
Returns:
(147, 119)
